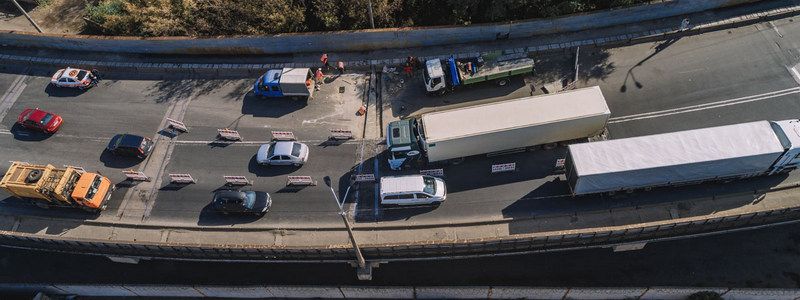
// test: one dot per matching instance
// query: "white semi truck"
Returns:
(498, 126)
(684, 157)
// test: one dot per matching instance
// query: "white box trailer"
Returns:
(684, 157)
(499, 126)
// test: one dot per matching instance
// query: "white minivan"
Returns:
(412, 190)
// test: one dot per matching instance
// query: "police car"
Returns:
(74, 78)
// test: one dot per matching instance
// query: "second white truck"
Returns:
(684, 157)
(498, 126)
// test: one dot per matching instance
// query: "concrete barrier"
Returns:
(511, 292)
(605, 293)
(364, 40)
(452, 292)
(677, 293)
(377, 292)
(761, 294)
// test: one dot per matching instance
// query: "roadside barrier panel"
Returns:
(181, 178)
(176, 125)
(365, 178)
(237, 180)
(228, 134)
(300, 181)
(135, 175)
(433, 172)
(509, 167)
(341, 134)
(283, 136)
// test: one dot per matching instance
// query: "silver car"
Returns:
(282, 153)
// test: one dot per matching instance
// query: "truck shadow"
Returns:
(270, 107)
(550, 207)
(51, 221)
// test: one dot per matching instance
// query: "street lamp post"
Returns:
(364, 271)
(371, 19)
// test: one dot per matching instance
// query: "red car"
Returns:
(37, 119)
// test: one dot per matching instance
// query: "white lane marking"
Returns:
(795, 74)
(704, 106)
(12, 94)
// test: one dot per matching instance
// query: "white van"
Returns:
(412, 190)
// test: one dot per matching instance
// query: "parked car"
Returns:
(74, 78)
(37, 119)
(241, 202)
(282, 153)
(412, 190)
(130, 145)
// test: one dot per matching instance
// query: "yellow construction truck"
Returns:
(48, 186)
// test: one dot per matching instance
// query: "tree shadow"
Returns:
(112, 160)
(270, 107)
(21, 133)
(173, 90)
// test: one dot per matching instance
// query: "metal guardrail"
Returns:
(520, 243)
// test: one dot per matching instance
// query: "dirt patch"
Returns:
(58, 16)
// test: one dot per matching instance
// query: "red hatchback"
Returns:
(37, 119)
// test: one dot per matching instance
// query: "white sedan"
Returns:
(282, 153)
(73, 78)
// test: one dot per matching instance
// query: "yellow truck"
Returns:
(48, 186)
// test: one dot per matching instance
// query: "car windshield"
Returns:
(271, 150)
(250, 199)
(93, 188)
(81, 74)
(46, 119)
(430, 185)
(296, 149)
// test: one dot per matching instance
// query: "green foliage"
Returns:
(253, 17)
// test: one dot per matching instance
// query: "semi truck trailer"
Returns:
(441, 76)
(48, 186)
(498, 126)
(684, 157)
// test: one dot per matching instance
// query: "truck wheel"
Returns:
(502, 82)
(33, 176)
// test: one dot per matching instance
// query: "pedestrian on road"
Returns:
(319, 77)
(340, 67)
(408, 70)
(324, 60)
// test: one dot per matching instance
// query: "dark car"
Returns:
(130, 145)
(37, 119)
(241, 202)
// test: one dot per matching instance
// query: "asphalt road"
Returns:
(765, 258)
(712, 79)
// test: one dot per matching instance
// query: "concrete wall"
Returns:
(363, 40)
(407, 292)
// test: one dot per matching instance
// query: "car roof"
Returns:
(69, 71)
(434, 68)
(283, 148)
(37, 115)
(130, 140)
(229, 194)
(402, 184)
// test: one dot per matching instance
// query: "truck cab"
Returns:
(92, 190)
(401, 139)
(434, 76)
(788, 132)
(276, 83)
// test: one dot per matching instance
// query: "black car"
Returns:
(241, 202)
(130, 145)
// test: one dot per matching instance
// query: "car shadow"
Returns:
(209, 217)
(270, 107)
(27, 135)
(111, 160)
(54, 91)
(267, 170)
